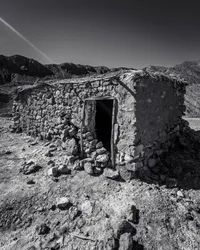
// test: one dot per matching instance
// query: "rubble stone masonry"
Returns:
(147, 118)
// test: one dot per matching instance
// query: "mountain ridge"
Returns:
(21, 70)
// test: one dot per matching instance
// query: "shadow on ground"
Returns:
(180, 167)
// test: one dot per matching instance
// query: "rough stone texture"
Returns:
(146, 123)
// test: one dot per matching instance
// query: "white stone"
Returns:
(102, 158)
(62, 202)
(88, 167)
(180, 194)
(110, 173)
(87, 208)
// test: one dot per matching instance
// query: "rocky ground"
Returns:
(79, 211)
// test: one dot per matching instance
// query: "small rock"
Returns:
(126, 174)
(88, 168)
(34, 143)
(93, 155)
(70, 146)
(101, 151)
(87, 207)
(53, 172)
(86, 135)
(99, 145)
(98, 170)
(63, 202)
(30, 182)
(43, 229)
(102, 158)
(71, 159)
(51, 162)
(29, 162)
(29, 169)
(8, 152)
(73, 212)
(90, 138)
(78, 165)
(63, 169)
(110, 173)
(180, 194)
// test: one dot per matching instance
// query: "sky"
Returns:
(113, 33)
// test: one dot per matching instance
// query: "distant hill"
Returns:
(22, 69)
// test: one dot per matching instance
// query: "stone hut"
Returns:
(122, 120)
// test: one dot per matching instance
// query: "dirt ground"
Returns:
(167, 218)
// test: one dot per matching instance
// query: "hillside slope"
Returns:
(21, 69)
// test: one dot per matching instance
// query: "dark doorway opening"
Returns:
(103, 122)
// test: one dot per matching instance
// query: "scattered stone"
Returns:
(87, 208)
(30, 168)
(8, 152)
(73, 212)
(93, 155)
(30, 182)
(126, 174)
(63, 203)
(86, 135)
(78, 165)
(88, 168)
(71, 159)
(51, 162)
(34, 143)
(53, 171)
(63, 169)
(180, 194)
(70, 146)
(42, 229)
(98, 170)
(102, 158)
(110, 173)
(101, 151)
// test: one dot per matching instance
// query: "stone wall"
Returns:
(147, 118)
